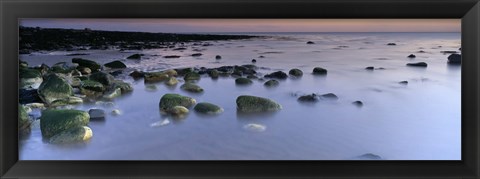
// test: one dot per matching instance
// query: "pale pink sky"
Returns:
(252, 25)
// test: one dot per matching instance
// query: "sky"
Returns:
(251, 25)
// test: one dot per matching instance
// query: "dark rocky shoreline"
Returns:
(37, 39)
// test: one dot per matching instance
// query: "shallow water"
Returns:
(419, 121)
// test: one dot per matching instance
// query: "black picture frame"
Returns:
(467, 10)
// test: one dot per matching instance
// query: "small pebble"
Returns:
(116, 112)
(160, 123)
(255, 127)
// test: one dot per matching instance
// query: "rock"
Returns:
(24, 126)
(92, 85)
(190, 87)
(172, 56)
(295, 72)
(308, 98)
(310, 42)
(391, 44)
(72, 135)
(135, 56)
(369, 156)
(150, 87)
(191, 76)
(36, 105)
(124, 86)
(455, 59)
(180, 48)
(213, 73)
(254, 61)
(96, 114)
(330, 96)
(94, 66)
(261, 56)
(84, 70)
(116, 73)
(278, 75)
(171, 72)
(74, 100)
(154, 77)
(28, 96)
(319, 71)
(115, 64)
(183, 71)
(271, 83)
(208, 108)
(243, 81)
(55, 121)
(63, 67)
(29, 78)
(171, 81)
(137, 74)
(218, 57)
(411, 56)
(448, 51)
(358, 103)
(102, 77)
(116, 112)
(197, 54)
(247, 103)
(255, 127)
(419, 64)
(22, 64)
(403, 82)
(170, 100)
(178, 111)
(369, 68)
(54, 88)
(112, 93)
(420, 51)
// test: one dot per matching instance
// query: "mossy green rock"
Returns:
(55, 121)
(178, 111)
(208, 108)
(192, 88)
(155, 77)
(171, 100)
(92, 85)
(271, 83)
(171, 81)
(295, 72)
(135, 56)
(23, 121)
(30, 78)
(184, 71)
(54, 88)
(102, 77)
(72, 135)
(319, 71)
(94, 66)
(112, 93)
(213, 73)
(124, 86)
(247, 104)
(243, 81)
(116, 64)
(191, 76)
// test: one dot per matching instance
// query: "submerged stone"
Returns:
(246, 103)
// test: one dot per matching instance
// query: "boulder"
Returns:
(308, 98)
(115, 64)
(455, 59)
(419, 64)
(170, 100)
(191, 76)
(246, 103)
(124, 86)
(102, 77)
(358, 103)
(178, 111)
(63, 67)
(295, 72)
(243, 81)
(310, 42)
(29, 78)
(154, 77)
(218, 57)
(137, 74)
(23, 121)
(171, 81)
(369, 68)
(54, 88)
(84, 70)
(183, 71)
(96, 114)
(213, 73)
(411, 56)
(271, 83)
(403, 82)
(190, 87)
(391, 44)
(254, 61)
(329, 96)
(112, 93)
(197, 54)
(72, 135)
(94, 66)
(92, 85)
(55, 121)
(277, 75)
(207, 108)
(135, 57)
(319, 71)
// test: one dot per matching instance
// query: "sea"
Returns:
(417, 121)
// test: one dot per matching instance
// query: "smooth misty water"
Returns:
(420, 121)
